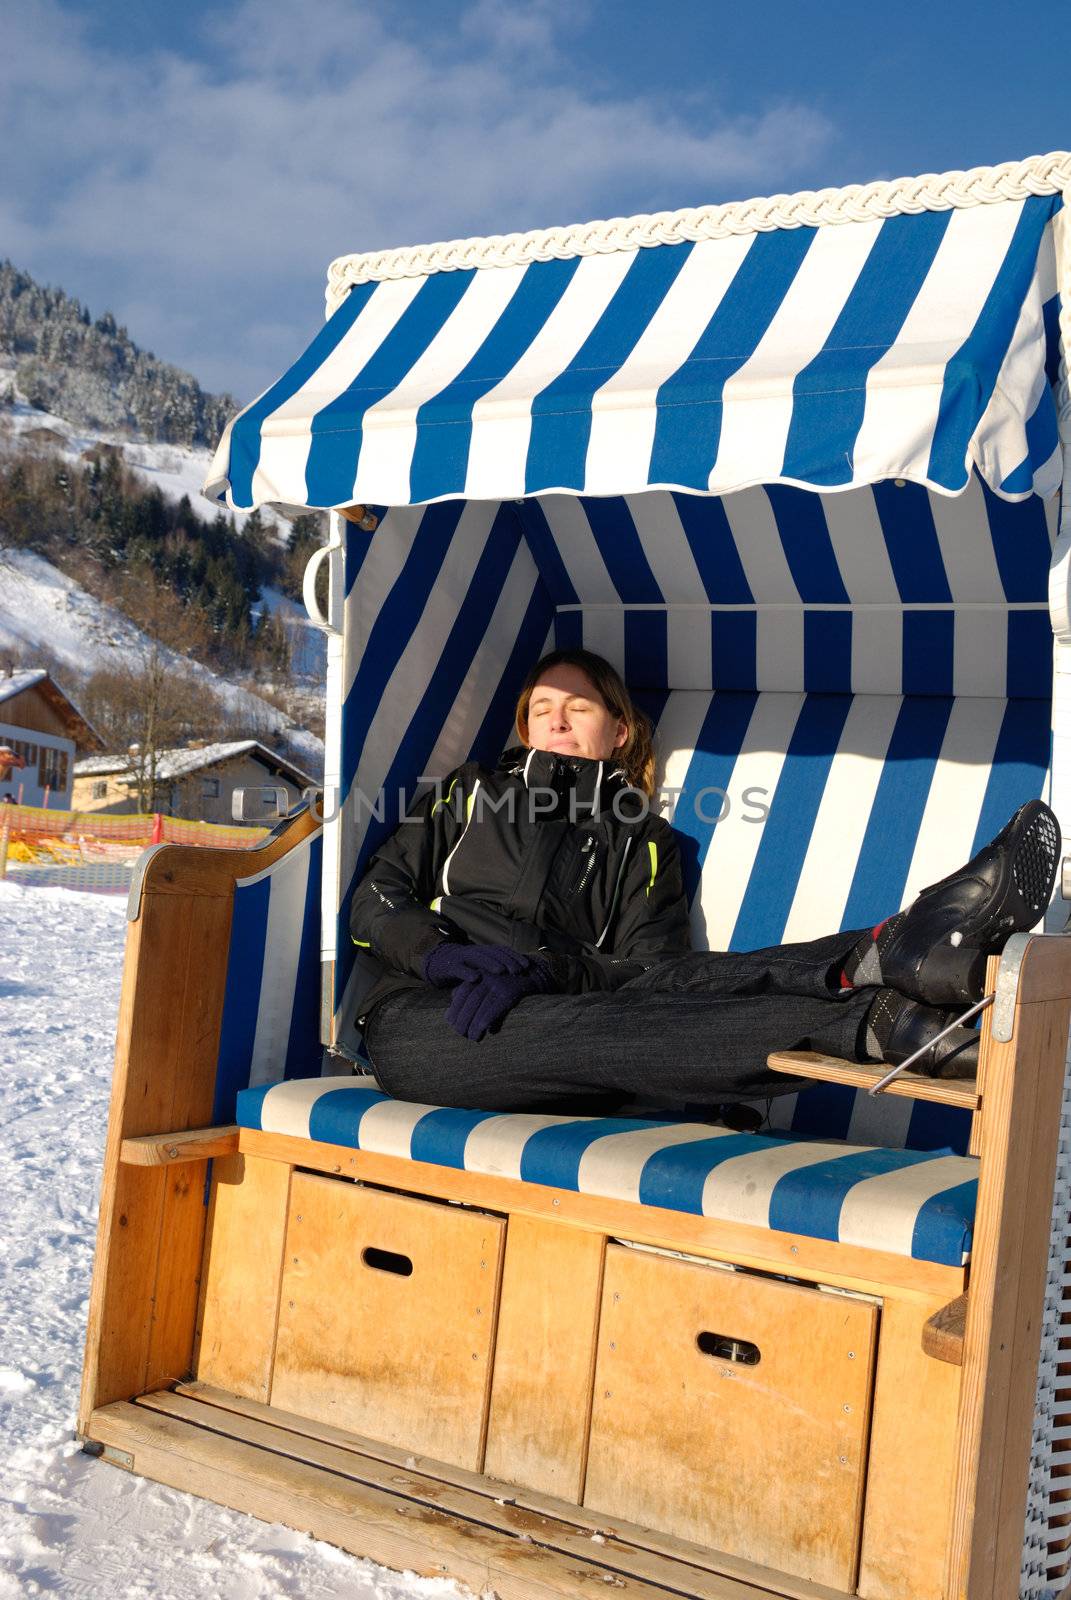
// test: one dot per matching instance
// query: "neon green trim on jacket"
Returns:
(444, 800)
(652, 851)
(365, 944)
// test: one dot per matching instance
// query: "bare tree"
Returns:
(146, 704)
(152, 699)
(159, 693)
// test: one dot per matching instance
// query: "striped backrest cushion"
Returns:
(831, 1111)
(881, 590)
(271, 1005)
(800, 815)
(835, 810)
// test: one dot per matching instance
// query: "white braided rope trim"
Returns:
(1048, 174)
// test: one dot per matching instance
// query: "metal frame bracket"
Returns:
(1007, 990)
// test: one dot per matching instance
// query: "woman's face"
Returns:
(566, 714)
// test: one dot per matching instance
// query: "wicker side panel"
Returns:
(1046, 1568)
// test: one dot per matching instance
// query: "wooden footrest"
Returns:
(830, 1069)
(411, 1513)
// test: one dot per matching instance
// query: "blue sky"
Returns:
(194, 166)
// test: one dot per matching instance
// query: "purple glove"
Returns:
(481, 1002)
(452, 962)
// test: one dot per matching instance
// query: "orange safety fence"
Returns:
(41, 834)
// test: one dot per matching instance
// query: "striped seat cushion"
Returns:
(911, 1203)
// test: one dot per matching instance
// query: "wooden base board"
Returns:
(410, 1513)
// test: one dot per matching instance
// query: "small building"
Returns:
(101, 783)
(43, 726)
(196, 781)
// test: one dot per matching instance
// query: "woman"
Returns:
(533, 934)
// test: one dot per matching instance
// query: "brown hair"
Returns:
(636, 755)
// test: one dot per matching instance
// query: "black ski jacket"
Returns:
(493, 857)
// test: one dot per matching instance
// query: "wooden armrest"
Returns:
(829, 1069)
(942, 1335)
(193, 870)
(170, 1149)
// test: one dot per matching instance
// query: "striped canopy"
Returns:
(909, 347)
(767, 474)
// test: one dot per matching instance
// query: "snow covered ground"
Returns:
(70, 1525)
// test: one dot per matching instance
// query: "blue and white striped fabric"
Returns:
(800, 814)
(623, 451)
(910, 1203)
(833, 1111)
(271, 1005)
(883, 590)
(881, 661)
(912, 347)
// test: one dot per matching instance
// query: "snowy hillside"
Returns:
(70, 1525)
(40, 606)
(308, 646)
(175, 470)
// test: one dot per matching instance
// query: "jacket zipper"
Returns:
(376, 890)
(616, 893)
(444, 888)
(588, 849)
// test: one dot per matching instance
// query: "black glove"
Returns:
(480, 1003)
(452, 962)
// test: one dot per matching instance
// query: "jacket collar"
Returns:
(584, 785)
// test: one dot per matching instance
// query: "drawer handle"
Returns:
(725, 1348)
(387, 1261)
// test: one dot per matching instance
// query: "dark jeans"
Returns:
(695, 1028)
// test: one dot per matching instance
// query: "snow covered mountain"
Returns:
(174, 469)
(177, 471)
(41, 608)
(92, 372)
(74, 392)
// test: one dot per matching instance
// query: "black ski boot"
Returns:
(936, 950)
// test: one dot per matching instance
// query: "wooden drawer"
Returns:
(764, 1460)
(387, 1317)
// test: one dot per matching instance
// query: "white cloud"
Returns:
(201, 199)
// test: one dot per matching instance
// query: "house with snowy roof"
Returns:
(196, 781)
(44, 729)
